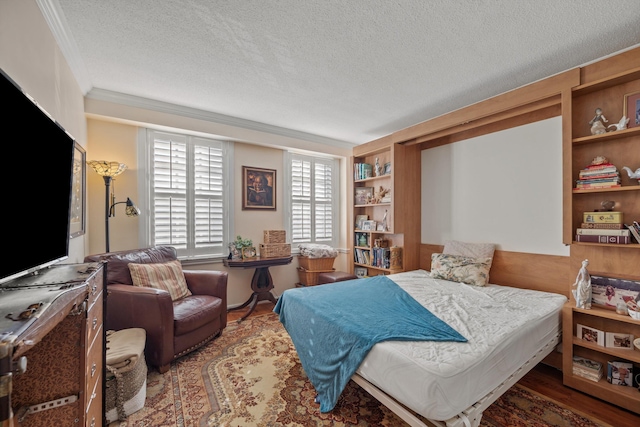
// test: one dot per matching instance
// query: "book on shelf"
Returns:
(587, 368)
(603, 232)
(635, 231)
(599, 173)
(603, 226)
(362, 171)
(604, 180)
(620, 373)
(602, 217)
(596, 238)
(601, 166)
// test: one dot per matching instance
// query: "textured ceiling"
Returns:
(347, 70)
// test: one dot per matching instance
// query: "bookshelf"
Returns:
(395, 229)
(606, 320)
(604, 85)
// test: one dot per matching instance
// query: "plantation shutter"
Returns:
(313, 210)
(188, 194)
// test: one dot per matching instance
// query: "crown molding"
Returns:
(56, 21)
(194, 113)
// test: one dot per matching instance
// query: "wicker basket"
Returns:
(315, 263)
(310, 277)
(275, 236)
(275, 250)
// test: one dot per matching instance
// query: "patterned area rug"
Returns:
(251, 376)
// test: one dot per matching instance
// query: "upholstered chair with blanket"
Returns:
(179, 310)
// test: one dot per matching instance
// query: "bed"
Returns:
(508, 331)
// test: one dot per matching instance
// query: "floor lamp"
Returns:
(108, 171)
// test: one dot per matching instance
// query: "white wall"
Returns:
(30, 55)
(503, 188)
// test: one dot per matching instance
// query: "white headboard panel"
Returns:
(503, 188)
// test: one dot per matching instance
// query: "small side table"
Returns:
(261, 283)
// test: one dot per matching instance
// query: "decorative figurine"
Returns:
(581, 289)
(378, 170)
(622, 124)
(607, 205)
(385, 227)
(632, 174)
(597, 123)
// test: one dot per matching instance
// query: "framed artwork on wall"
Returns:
(78, 204)
(258, 188)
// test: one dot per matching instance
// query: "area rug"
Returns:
(251, 376)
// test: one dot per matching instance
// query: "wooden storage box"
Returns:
(316, 263)
(275, 236)
(310, 277)
(275, 250)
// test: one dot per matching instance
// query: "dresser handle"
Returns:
(95, 322)
(93, 422)
(94, 288)
(93, 370)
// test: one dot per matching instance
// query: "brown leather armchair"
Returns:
(174, 328)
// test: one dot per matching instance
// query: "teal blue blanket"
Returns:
(334, 326)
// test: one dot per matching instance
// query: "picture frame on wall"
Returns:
(258, 189)
(631, 108)
(77, 220)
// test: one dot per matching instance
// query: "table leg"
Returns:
(261, 284)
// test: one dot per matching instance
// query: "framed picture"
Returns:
(359, 220)
(78, 204)
(610, 291)
(258, 188)
(363, 195)
(387, 169)
(369, 225)
(360, 272)
(249, 252)
(591, 335)
(632, 109)
(619, 340)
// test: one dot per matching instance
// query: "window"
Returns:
(188, 193)
(312, 206)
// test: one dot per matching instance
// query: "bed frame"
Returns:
(549, 273)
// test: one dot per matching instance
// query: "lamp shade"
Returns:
(131, 209)
(105, 168)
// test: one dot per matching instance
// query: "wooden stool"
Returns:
(335, 276)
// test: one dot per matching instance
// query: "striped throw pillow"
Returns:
(167, 276)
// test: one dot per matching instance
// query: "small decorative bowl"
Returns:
(634, 314)
(636, 343)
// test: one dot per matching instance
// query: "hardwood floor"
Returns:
(542, 379)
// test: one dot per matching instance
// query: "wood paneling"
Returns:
(549, 273)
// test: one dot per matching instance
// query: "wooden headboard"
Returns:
(550, 273)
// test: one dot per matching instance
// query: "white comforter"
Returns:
(504, 326)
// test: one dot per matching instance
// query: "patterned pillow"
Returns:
(472, 271)
(167, 276)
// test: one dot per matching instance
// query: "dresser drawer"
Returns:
(94, 286)
(93, 416)
(94, 321)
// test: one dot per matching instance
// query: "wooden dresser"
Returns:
(54, 322)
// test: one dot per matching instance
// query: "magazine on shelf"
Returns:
(620, 373)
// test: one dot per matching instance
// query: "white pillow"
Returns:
(471, 250)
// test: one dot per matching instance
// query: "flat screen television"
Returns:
(37, 185)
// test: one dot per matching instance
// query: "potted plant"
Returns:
(235, 247)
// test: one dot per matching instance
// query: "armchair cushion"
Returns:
(167, 276)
